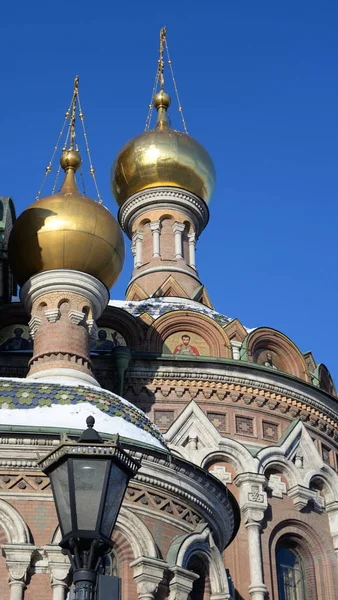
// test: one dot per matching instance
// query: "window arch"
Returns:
(290, 572)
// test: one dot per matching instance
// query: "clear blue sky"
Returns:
(259, 86)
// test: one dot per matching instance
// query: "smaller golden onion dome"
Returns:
(162, 157)
(67, 231)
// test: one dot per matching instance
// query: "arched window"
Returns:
(109, 564)
(290, 573)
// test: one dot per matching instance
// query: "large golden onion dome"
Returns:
(67, 231)
(162, 157)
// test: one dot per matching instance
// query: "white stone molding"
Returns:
(58, 567)
(332, 512)
(76, 316)
(193, 207)
(301, 496)
(18, 559)
(162, 269)
(155, 227)
(13, 524)
(193, 422)
(192, 249)
(34, 325)
(62, 375)
(277, 486)
(253, 503)
(222, 474)
(201, 543)
(137, 242)
(257, 588)
(181, 583)
(148, 574)
(178, 229)
(137, 534)
(235, 347)
(66, 280)
(133, 251)
(52, 315)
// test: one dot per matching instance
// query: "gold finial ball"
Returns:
(162, 100)
(70, 159)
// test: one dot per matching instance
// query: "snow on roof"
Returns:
(159, 306)
(42, 403)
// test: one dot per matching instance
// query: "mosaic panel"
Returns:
(106, 340)
(15, 337)
(184, 343)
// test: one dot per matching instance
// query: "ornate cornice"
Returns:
(164, 197)
(238, 384)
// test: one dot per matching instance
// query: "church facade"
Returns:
(236, 429)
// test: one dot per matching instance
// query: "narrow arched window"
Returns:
(290, 573)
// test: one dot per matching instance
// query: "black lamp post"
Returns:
(89, 479)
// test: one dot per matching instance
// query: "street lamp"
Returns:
(89, 479)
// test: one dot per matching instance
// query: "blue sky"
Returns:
(258, 84)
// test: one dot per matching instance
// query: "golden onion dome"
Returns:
(162, 157)
(67, 231)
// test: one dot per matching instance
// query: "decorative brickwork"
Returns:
(326, 454)
(270, 431)
(159, 502)
(244, 425)
(218, 420)
(164, 418)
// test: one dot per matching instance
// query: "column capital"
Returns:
(58, 563)
(253, 499)
(178, 227)
(181, 583)
(192, 237)
(18, 559)
(148, 574)
(155, 226)
(138, 235)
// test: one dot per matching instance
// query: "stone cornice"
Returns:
(164, 197)
(283, 393)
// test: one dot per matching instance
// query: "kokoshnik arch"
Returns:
(219, 416)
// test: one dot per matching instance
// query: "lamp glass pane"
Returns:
(89, 477)
(60, 485)
(117, 484)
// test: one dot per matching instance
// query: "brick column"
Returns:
(64, 306)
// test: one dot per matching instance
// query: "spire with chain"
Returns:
(159, 79)
(68, 134)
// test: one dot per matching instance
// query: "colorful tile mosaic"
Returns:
(15, 394)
